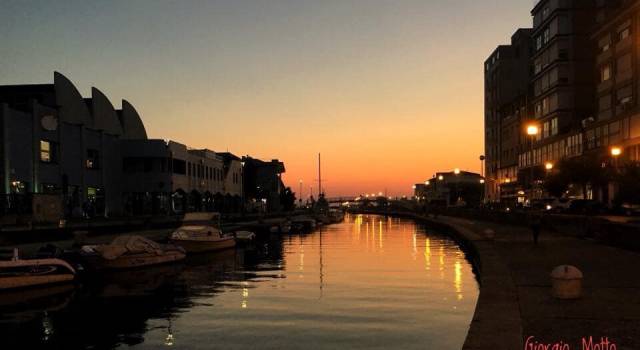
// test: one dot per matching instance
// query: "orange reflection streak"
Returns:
(427, 254)
(442, 262)
(457, 281)
(380, 234)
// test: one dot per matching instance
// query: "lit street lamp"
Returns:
(548, 166)
(532, 131)
(456, 171)
(615, 154)
(616, 151)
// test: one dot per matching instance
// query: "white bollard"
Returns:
(566, 282)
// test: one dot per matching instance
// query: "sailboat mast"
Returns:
(319, 176)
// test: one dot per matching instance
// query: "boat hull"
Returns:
(14, 282)
(34, 272)
(200, 246)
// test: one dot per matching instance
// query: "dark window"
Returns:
(50, 188)
(179, 166)
(148, 165)
(93, 159)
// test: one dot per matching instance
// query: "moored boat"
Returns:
(21, 273)
(245, 236)
(130, 252)
(303, 223)
(201, 233)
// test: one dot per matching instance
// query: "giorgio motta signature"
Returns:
(587, 343)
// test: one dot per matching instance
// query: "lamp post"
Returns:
(616, 152)
(300, 199)
(532, 131)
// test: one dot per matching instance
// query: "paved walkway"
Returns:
(515, 300)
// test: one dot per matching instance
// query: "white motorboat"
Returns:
(128, 252)
(201, 233)
(20, 273)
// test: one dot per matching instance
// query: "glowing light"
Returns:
(481, 181)
(616, 151)
(548, 165)
(456, 171)
(549, 207)
(427, 182)
(414, 187)
(532, 130)
(169, 340)
(440, 177)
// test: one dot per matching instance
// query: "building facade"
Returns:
(54, 142)
(583, 91)
(453, 188)
(507, 93)
(94, 160)
(263, 182)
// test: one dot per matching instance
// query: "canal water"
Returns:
(371, 282)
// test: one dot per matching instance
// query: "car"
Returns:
(586, 207)
(631, 209)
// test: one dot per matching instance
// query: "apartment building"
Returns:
(507, 92)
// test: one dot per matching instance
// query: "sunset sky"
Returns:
(388, 91)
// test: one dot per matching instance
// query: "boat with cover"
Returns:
(129, 251)
(16, 272)
(201, 232)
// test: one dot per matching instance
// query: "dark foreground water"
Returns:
(371, 283)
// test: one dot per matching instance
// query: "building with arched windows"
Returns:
(65, 156)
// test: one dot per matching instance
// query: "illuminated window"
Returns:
(625, 33)
(47, 151)
(554, 126)
(605, 73)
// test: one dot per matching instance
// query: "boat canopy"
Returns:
(207, 216)
(128, 244)
(196, 219)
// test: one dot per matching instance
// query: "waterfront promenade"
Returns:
(515, 302)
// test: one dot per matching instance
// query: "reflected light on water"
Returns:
(330, 289)
(457, 282)
(427, 254)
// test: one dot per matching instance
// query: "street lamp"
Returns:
(440, 178)
(482, 181)
(456, 171)
(300, 194)
(427, 182)
(548, 166)
(615, 154)
(616, 151)
(532, 131)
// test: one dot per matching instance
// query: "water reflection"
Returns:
(339, 287)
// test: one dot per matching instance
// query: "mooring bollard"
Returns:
(566, 282)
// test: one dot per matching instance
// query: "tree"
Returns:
(556, 184)
(288, 199)
(629, 184)
(582, 171)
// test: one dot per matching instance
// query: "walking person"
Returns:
(535, 222)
